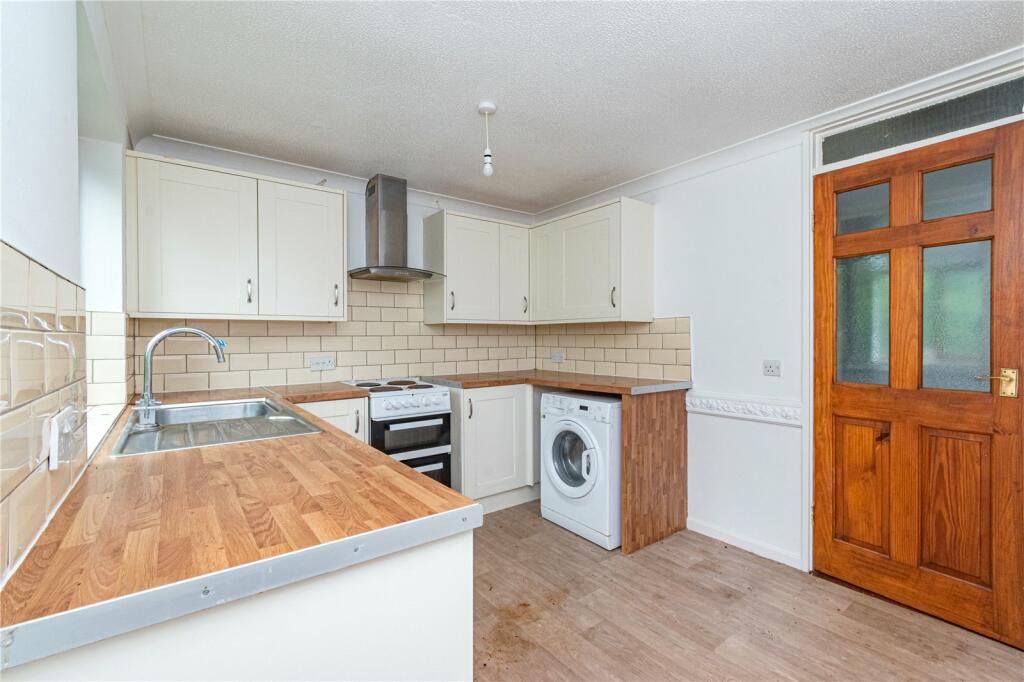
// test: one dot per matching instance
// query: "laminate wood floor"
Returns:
(550, 605)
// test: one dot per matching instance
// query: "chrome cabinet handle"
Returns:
(526, 305)
(470, 407)
(613, 296)
(336, 295)
(248, 290)
(357, 421)
(453, 300)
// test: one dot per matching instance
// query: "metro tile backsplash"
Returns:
(385, 336)
(42, 371)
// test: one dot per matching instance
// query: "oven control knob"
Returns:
(388, 405)
(406, 403)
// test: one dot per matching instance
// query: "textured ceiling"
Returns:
(589, 94)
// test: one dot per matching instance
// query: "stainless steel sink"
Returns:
(193, 425)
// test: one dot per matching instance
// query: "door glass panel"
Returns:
(862, 319)
(862, 209)
(567, 455)
(957, 316)
(956, 190)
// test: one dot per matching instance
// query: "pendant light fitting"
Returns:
(486, 108)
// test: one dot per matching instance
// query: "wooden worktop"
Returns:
(135, 523)
(594, 383)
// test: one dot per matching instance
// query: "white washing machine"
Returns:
(580, 453)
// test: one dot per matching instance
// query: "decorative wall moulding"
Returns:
(739, 407)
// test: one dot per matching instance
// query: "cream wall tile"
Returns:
(303, 343)
(394, 287)
(268, 377)
(67, 306)
(17, 448)
(58, 370)
(235, 344)
(247, 361)
(42, 295)
(185, 345)
(367, 372)
(394, 342)
(380, 300)
(283, 360)
(229, 380)
(366, 343)
(319, 328)
(108, 324)
(14, 304)
(335, 343)
(167, 364)
(80, 304)
(351, 358)
(284, 328)
(28, 366)
(212, 327)
(394, 370)
(107, 347)
(337, 374)
(394, 314)
(676, 340)
(106, 371)
(27, 510)
(113, 393)
(5, 369)
(268, 344)
(247, 328)
(186, 382)
(204, 363)
(677, 373)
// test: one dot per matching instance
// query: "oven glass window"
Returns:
(414, 434)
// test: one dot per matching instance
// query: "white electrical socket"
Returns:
(557, 356)
(771, 368)
(321, 362)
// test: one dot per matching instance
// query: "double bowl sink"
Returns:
(194, 425)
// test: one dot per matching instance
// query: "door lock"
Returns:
(1007, 381)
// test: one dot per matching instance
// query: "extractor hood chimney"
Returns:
(387, 227)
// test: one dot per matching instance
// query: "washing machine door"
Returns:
(571, 459)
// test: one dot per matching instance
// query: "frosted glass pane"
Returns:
(862, 319)
(956, 190)
(957, 316)
(862, 209)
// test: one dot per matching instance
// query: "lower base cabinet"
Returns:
(347, 415)
(492, 440)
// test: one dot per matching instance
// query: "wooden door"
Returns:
(301, 251)
(472, 269)
(197, 241)
(494, 440)
(514, 288)
(590, 262)
(919, 466)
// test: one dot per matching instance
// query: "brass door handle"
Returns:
(1007, 381)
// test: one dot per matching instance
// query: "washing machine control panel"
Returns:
(555, 404)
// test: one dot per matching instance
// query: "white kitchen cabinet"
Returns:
(301, 253)
(514, 274)
(468, 250)
(224, 244)
(347, 415)
(494, 437)
(197, 241)
(594, 265)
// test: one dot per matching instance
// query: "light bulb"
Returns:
(488, 167)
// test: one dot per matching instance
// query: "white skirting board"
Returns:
(404, 616)
(749, 544)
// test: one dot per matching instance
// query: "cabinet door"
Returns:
(589, 249)
(347, 415)
(494, 440)
(196, 240)
(301, 252)
(545, 273)
(472, 277)
(514, 288)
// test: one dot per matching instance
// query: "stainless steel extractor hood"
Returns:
(387, 227)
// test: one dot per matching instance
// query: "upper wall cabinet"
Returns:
(486, 268)
(205, 242)
(594, 265)
(302, 259)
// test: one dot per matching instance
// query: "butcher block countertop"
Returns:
(141, 522)
(594, 383)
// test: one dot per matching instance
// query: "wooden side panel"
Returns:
(862, 483)
(653, 467)
(956, 504)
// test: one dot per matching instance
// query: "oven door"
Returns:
(407, 437)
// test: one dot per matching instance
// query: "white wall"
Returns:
(729, 235)
(39, 135)
(421, 204)
(101, 174)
